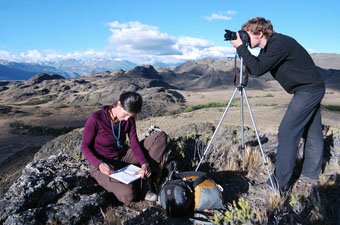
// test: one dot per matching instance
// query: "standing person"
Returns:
(103, 145)
(292, 66)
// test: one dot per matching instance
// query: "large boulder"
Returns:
(56, 190)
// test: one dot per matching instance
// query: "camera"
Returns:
(231, 35)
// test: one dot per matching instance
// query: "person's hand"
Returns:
(145, 170)
(236, 43)
(105, 169)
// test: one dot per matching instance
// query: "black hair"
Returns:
(131, 102)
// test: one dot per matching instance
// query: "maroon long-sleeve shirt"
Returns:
(98, 142)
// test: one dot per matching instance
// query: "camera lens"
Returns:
(230, 35)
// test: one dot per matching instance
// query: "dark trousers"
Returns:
(154, 146)
(302, 119)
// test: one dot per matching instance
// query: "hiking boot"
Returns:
(147, 190)
(305, 185)
(150, 196)
(309, 179)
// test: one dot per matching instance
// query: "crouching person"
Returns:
(103, 145)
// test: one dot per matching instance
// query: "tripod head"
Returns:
(243, 75)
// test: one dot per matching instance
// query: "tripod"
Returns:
(243, 80)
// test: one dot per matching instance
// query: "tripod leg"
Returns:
(258, 139)
(242, 125)
(216, 130)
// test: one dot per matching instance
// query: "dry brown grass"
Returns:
(234, 160)
(255, 163)
(275, 200)
(112, 217)
(267, 105)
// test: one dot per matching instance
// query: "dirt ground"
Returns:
(267, 106)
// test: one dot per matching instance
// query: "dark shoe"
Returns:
(308, 180)
(305, 185)
(150, 196)
(148, 191)
(311, 179)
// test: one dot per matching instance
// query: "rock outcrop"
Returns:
(44, 76)
(57, 190)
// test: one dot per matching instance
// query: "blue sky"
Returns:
(149, 31)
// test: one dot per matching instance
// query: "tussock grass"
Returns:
(275, 200)
(19, 127)
(251, 160)
(111, 216)
(268, 105)
(234, 159)
(232, 165)
(254, 162)
(62, 106)
(35, 101)
(269, 95)
(202, 106)
(335, 108)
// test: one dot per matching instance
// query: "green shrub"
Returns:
(19, 127)
(201, 106)
(37, 101)
(269, 95)
(5, 109)
(335, 108)
(237, 213)
(62, 106)
(264, 104)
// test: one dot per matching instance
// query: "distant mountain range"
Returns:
(67, 68)
(24, 71)
(72, 68)
(76, 67)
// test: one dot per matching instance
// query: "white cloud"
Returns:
(146, 44)
(7, 55)
(311, 51)
(32, 54)
(221, 15)
(193, 42)
(135, 42)
(136, 37)
(195, 48)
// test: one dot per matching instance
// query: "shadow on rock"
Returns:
(233, 183)
(326, 200)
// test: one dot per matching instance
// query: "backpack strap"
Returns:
(201, 176)
(172, 170)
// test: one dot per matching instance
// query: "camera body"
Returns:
(231, 35)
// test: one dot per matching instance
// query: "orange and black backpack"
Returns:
(190, 191)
